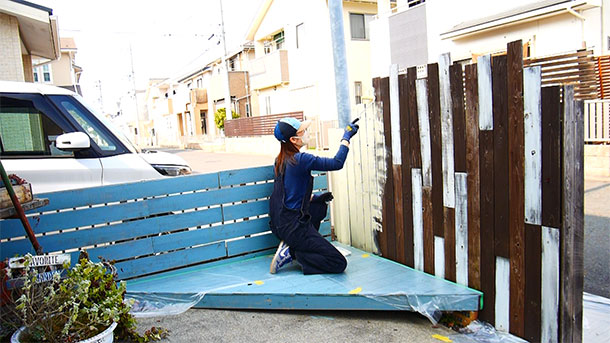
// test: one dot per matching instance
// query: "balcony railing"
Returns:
(270, 70)
(256, 126)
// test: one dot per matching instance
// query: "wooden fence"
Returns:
(256, 126)
(603, 76)
(483, 187)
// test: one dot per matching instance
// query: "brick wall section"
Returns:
(11, 63)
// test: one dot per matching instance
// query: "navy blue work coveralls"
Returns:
(298, 228)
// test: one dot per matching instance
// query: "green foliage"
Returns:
(75, 308)
(220, 115)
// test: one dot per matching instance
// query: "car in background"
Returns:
(53, 140)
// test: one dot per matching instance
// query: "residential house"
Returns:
(293, 69)
(27, 31)
(62, 72)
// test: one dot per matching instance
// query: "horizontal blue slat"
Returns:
(126, 191)
(255, 243)
(246, 210)
(320, 182)
(325, 228)
(239, 176)
(153, 264)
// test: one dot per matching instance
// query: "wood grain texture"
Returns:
(428, 230)
(398, 239)
(436, 151)
(449, 222)
(485, 86)
(461, 229)
(550, 285)
(459, 119)
(500, 122)
(388, 193)
(552, 113)
(413, 126)
(532, 103)
(516, 183)
(418, 220)
(488, 256)
(473, 178)
(446, 117)
(533, 272)
(405, 88)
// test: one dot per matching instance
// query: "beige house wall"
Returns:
(28, 72)
(11, 63)
(358, 54)
(62, 70)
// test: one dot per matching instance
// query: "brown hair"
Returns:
(287, 152)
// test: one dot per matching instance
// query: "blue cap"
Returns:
(286, 128)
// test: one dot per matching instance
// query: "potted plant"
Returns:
(87, 305)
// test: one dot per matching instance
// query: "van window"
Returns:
(91, 127)
(24, 130)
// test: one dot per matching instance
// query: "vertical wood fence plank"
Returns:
(532, 103)
(500, 122)
(472, 166)
(406, 168)
(516, 157)
(424, 131)
(502, 294)
(461, 229)
(484, 83)
(446, 114)
(573, 217)
(368, 184)
(418, 222)
(449, 239)
(550, 285)
(533, 273)
(459, 119)
(414, 135)
(380, 235)
(388, 193)
(355, 189)
(395, 114)
(428, 230)
(439, 257)
(552, 113)
(398, 238)
(488, 259)
(436, 152)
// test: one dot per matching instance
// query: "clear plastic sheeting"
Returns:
(161, 304)
(478, 331)
(596, 318)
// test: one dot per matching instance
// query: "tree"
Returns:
(220, 115)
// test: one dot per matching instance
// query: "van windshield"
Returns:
(116, 131)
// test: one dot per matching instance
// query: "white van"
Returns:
(52, 139)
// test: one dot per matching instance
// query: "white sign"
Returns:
(40, 260)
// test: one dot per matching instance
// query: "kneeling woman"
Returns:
(295, 214)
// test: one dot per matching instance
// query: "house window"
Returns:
(46, 73)
(203, 115)
(359, 25)
(300, 35)
(35, 74)
(415, 2)
(248, 110)
(232, 64)
(358, 92)
(199, 83)
(267, 47)
(278, 38)
(268, 105)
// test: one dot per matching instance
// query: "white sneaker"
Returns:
(282, 257)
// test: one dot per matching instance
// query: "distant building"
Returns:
(62, 72)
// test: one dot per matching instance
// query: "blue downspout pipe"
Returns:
(335, 8)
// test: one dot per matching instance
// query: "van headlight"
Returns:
(172, 170)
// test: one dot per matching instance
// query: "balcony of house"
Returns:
(199, 97)
(270, 70)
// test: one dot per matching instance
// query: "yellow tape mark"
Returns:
(365, 255)
(259, 282)
(442, 338)
(356, 290)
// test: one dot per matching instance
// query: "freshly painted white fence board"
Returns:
(338, 182)
(418, 222)
(532, 103)
(395, 114)
(368, 186)
(421, 89)
(550, 285)
(485, 94)
(461, 228)
(439, 257)
(446, 131)
(354, 189)
(502, 293)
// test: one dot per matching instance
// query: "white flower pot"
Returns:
(106, 336)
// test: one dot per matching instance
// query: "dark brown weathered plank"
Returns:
(414, 142)
(428, 230)
(516, 186)
(449, 222)
(399, 243)
(381, 236)
(459, 119)
(473, 180)
(572, 229)
(533, 285)
(405, 147)
(488, 256)
(436, 150)
(551, 156)
(388, 192)
(500, 129)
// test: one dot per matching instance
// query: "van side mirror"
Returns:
(73, 141)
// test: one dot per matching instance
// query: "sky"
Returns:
(162, 38)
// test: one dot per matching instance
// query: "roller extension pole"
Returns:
(335, 8)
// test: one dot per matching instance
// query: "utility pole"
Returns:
(228, 110)
(135, 96)
(335, 9)
(98, 85)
